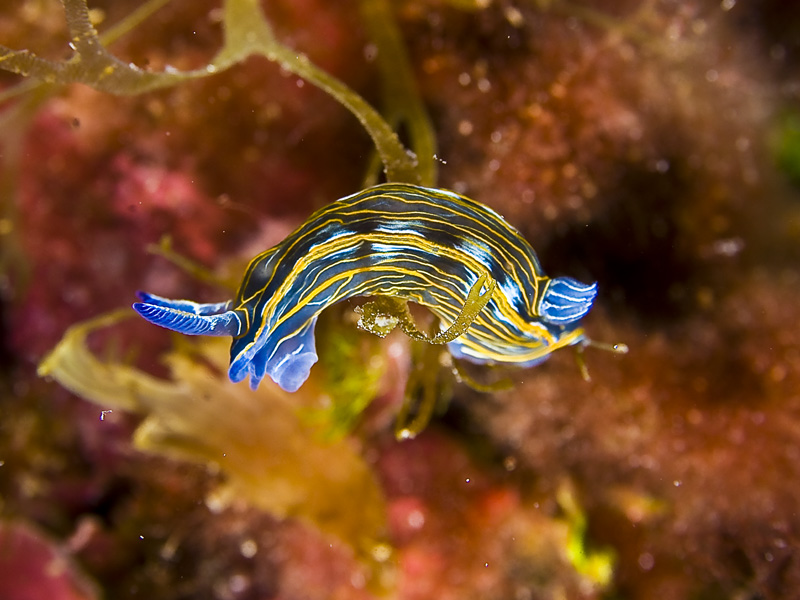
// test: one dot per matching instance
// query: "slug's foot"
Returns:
(287, 357)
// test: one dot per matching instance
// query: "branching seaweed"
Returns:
(165, 250)
(247, 33)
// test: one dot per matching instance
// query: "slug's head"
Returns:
(285, 355)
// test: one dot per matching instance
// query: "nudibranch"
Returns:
(428, 246)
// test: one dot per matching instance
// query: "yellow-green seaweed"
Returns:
(597, 566)
(259, 442)
(348, 391)
(382, 315)
(402, 105)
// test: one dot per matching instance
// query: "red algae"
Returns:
(467, 529)
(627, 142)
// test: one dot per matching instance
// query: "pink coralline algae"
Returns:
(33, 567)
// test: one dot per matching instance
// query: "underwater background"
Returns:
(652, 146)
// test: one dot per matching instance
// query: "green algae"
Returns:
(348, 391)
(427, 389)
(786, 146)
(402, 105)
(14, 123)
(257, 440)
(596, 565)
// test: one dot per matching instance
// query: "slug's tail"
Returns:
(189, 317)
(566, 300)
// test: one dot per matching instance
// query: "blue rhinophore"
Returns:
(188, 317)
(566, 300)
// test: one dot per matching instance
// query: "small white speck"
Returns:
(141, 537)
(396, 350)
(248, 548)
(103, 414)
(677, 483)
(467, 480)
(381, 552)
(460, 186)
(728, 247)
(646, 561)
(370, 52)
(742, 144)
(358, 580)
(238, 583)
(416, 519)
(215, 504)
(777, 52)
